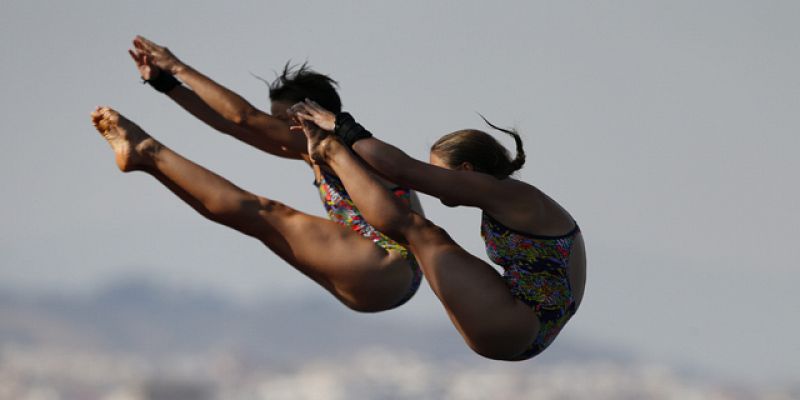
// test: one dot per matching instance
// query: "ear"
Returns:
(466, 166)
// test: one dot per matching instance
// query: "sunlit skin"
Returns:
(492, 322)
(361, 275)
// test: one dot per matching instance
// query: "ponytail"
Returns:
(518, 161)
(481, 150)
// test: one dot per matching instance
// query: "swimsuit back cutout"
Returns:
(535, 270)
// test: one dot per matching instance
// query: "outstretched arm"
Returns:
(453, 187)
(216, 105)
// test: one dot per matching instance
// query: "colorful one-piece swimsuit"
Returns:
(535, 270)
(342, 210)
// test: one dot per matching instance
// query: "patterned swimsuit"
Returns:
(535, 270)
(342, 210)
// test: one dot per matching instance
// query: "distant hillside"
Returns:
(137, 316)
(140, 341)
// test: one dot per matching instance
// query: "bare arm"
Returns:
(220, 107)
(189, 101)
(454, 188)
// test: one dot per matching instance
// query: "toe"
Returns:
(113, 116)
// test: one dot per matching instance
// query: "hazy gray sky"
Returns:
(667, 128)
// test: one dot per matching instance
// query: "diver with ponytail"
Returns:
(536, 241)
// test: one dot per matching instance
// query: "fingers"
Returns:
(146, 41)
(313, 105)
(296, 124)
(137, 43)
(304, 116)
(146, 46)
(143, 42)
(315, 108)
(308, 111)
(300, 111)
(309, 130)
(139, 53)
(297, 107)
(134, 56)
(144, 64)
(308, 105)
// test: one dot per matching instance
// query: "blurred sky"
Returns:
(667, 128)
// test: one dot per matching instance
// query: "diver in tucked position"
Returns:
(510, 317)
(360, 266)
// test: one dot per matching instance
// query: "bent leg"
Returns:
(494, 323)
(353, 269)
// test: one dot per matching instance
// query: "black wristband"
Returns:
(164, 82)
(350, 131)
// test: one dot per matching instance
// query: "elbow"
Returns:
(241, 117)
(396, 222)
(237, 118)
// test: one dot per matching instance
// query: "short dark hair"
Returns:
(481, 150)
(296, 84)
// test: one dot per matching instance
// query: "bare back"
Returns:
(534, 212)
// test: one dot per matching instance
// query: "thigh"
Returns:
(492, 321)
(358, 272)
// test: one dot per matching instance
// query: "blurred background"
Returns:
(668, 129)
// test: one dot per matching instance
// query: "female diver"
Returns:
(536, 242)
(360, 266)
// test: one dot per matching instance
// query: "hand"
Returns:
(309, 110)
(145, 65)
(320, 143)
(158, 56)
(314, 137)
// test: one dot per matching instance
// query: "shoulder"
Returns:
(524, 208)
(515, 197)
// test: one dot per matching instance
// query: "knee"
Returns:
(498, 346)
(395, 224)
(422, 231)
(504, 338)
(363, 307)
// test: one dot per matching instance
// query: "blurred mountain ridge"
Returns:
(135, 336)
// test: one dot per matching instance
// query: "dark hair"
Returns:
(296, 84)
(481, 150)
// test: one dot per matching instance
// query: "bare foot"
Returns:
(132, 146)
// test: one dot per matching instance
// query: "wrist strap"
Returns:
(350, 131)
(164, 82)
